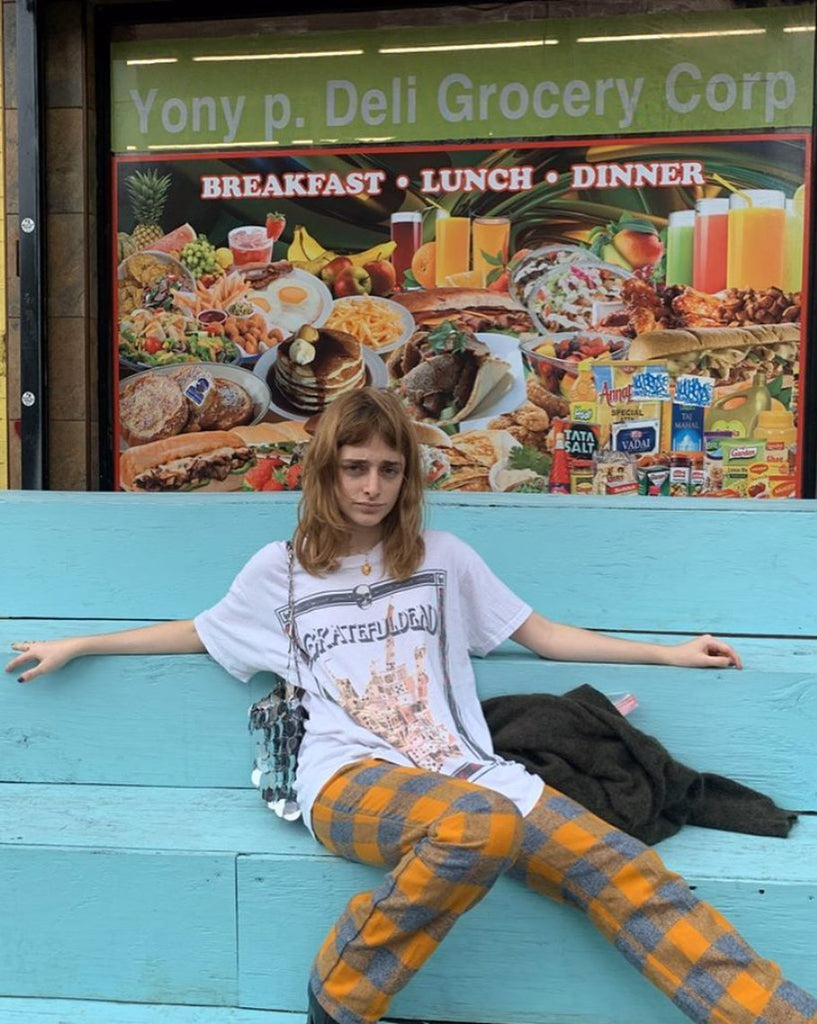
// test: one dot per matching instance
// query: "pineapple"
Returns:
(148, 194)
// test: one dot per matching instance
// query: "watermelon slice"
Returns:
(175, 240)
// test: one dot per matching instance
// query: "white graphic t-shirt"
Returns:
(384, 663)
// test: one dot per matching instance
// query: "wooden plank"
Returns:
(681, 565)
(105, 720)
(236, 821)
(64, 1011)
(81, 726)
(514, 957)
(127, 926)
(148, 819)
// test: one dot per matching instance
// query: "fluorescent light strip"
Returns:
(280, 56)
(153, 60)
(800, 28)
(673, 35)
(210, 145)
(468, 46)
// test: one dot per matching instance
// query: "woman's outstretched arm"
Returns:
(570, 643)
(175, 637)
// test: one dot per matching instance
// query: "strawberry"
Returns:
(275, 223)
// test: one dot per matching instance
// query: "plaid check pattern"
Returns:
(444, 842)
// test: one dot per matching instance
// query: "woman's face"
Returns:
(370, 476)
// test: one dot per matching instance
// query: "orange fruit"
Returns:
(424, 265)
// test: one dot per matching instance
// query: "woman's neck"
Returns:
(361, 542)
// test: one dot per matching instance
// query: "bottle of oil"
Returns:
(738, 412)
(559, 480)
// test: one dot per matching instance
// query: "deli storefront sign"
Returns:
(612, 315)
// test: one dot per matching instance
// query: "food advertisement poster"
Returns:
(616, 315)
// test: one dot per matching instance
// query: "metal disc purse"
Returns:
(278, 720)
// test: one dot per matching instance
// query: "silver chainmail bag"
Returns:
(278, 719)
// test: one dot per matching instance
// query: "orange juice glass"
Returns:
(793, 248)
(490, 237)
(755, 239)
(709, 245)
(453, 247)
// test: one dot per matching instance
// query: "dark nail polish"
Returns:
(20, 679)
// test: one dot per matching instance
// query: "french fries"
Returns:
(222, 294)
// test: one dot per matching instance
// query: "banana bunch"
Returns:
(307, 253)
(382, 251)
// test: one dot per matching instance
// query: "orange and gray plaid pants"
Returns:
(444, 842)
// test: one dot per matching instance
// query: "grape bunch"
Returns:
(200, 258)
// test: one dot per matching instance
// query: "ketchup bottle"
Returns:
(559, 481)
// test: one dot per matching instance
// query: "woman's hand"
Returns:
(704, 652)
(48, 654)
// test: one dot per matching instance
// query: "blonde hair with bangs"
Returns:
(322, 532)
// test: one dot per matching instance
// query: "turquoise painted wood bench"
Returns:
(142, 880)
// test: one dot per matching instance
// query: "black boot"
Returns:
(316, 1013)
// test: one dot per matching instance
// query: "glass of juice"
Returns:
(793, 247)
(453, 247)
(680, 229)
(250, 244)
(407, 234)
(490, 237)
(755, 242)
(709, 245)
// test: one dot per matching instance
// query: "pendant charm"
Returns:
(366, 568)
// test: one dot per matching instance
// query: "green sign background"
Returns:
(563, 85)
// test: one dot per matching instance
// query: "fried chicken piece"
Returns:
(643, 319)
(697, 309)
(528, 424)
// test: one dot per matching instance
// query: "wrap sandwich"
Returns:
(445, 373)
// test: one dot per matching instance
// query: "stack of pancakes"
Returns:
(310, 377)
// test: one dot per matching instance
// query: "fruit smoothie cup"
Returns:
(453, 247)
(250, 244)
(709, 245)
(679, 246)
(793, 248)
(490, 237)
(755, 246)
(407, 234)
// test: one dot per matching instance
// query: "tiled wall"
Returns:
(70, 137)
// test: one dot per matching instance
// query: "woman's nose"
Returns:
(372, 482)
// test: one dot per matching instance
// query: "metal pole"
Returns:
(34, 419)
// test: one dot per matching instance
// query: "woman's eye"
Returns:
(390, 472)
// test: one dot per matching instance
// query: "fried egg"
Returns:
(293, 303)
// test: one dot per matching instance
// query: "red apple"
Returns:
(640, 247)
(333, 268)
(383, 275)
(352, 281)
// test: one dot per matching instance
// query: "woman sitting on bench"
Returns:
(372, 621)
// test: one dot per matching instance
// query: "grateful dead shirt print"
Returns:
(405, 695)
(394, 705)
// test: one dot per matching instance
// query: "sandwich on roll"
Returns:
(214, 460)
(477, 309)
(730, 355)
